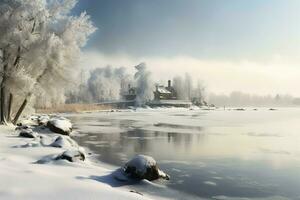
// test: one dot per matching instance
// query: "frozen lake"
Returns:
(219, 154)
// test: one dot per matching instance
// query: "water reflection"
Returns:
(131, 142)
(233, 155)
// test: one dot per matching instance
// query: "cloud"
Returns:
(278, 75)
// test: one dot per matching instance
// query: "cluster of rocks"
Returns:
(60, 128)
(140, 167)
(56, 124)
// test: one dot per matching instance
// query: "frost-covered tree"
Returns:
(188, 86)
(178, 84)
(144, 84)
(105, 84)
(198, 94)
(183, 87)
(39, 45)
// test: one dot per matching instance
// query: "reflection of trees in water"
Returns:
(200, 137)
(179, 126)
(115, 147)
(178, 138)
(142, 139)
(137, 139)
(123, 124)
(107, 147)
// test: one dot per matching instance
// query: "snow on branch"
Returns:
(40, 44)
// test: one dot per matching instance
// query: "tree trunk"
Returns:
(2, 106)
(28, 97)
(20, 111)
(3, 102)
(3, 95)
(9, 107)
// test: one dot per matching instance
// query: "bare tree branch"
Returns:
(18, 57)
(33, 27)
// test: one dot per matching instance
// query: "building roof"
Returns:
(163, 90)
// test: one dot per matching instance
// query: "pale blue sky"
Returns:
(199, 28)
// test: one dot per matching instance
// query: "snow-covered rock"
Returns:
(64, 142)
(143, 167)
(43, 119)
(60, 125)
(71, 156)
(22, 127)
(28, 133)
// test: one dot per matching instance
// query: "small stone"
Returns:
(71, 156)
(28, 133)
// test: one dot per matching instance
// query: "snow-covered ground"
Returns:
(23, 178)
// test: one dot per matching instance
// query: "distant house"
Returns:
(163, 96)
(130, 95)
(167, 97)
(165, 93)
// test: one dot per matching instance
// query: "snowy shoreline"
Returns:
(23, 178)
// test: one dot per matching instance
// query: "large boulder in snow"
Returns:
(71, 156)
(143, 167)
(64, 142)
(28, 133)
(60, 125)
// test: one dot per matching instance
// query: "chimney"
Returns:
(169, 83)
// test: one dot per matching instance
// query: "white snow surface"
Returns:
(22, 178)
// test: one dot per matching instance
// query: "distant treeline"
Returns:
(109, 83)
(238, 98)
